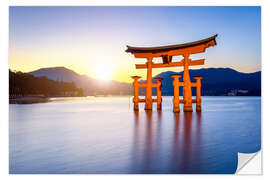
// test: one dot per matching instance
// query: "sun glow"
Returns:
(103, 71)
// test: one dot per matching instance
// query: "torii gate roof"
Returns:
(211, 41)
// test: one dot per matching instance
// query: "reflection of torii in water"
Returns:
(148, 146)
(166, 53)
(143, 161)
(186, 158)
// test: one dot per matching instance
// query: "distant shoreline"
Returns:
(33, 99)
(28, 100)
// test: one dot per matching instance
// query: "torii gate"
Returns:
(166, 53)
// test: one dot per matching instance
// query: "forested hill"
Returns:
(25, 84)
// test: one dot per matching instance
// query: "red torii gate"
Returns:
(166, 53)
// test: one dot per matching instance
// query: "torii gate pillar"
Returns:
(148, 94)
(187, 94)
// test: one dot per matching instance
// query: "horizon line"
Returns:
(129, 82)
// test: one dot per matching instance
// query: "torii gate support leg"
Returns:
(136, 92)
(198, 94)
(176, 99)
(159, 98)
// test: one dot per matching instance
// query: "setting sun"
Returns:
(103, 71)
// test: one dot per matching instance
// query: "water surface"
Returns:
(104, 135)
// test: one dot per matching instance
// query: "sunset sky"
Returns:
(92, 40)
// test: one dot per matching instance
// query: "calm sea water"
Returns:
(104, 135)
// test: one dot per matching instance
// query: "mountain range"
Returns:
(215, 82)
(89, 85)
(218, 82)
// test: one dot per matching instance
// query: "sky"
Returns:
(92, 40)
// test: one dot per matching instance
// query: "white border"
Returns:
(4, 77)
(138, 2)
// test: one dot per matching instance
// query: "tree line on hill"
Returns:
(25, 84)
